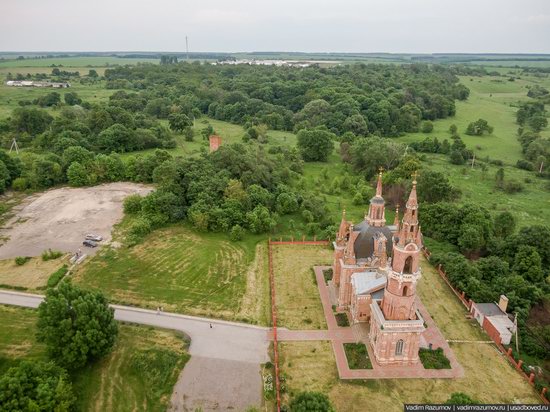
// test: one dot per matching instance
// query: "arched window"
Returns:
(399, 347)
(408, 265)
(405, 289)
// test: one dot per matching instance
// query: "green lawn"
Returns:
(138, 375)
(491, 98)
(183, 271)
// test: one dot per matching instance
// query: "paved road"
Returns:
(237, 349)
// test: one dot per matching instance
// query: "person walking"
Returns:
(210, 326)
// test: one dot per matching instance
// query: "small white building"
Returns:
(494, 319)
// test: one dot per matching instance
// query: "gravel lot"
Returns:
(60, 218)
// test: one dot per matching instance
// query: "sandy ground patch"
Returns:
(208, 384)
(33, 274)
(60, 218)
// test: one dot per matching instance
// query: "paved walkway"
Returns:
(340, 335)
(239, 346)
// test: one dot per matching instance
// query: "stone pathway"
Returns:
(340, 335)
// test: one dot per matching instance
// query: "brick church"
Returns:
(376, 268)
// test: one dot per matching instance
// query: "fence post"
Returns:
(531, 378)
(509, 352)
(543, 392)
(520, 362)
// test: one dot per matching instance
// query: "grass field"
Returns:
(31, 275)
(184, 271)
(489, 378)
(298, 302)
(79, 61)
(137, 376)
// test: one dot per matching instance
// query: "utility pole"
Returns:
(187, 47)
(540, 168)
(14, 146)
(473, 160)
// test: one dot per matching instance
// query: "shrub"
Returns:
(140, 227)
(51, 254)
(427, 127)
(327, 274)
(512, 186)
(459, 398)
(21, 260)
(20, 184)
(525, 165)
(132, 204)
(311, 402)
(56, 276)
(237, 233)
(434, 359)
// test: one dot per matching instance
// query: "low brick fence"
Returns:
(303, 241)
(274, 325)
(507, 353)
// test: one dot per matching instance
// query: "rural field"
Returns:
(185, 271)
(138, 375)
(312, 365)
(33, 275)
(298, 302)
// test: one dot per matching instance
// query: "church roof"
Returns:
(364, 244)
(364, 282)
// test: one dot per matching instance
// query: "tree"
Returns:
(36, 386)
(179, 122)
(427, 127)
(479, 127)
(453, 129)
(315, 145)
(311, 402)
(92, 73)
(260, 220)
(132, 204)
(505, 224)
(71, 98)
(48, 100)
(527, 263)
(459, 398)
(357, 125)
(435, 187)
(470, 240)
(76, 325)
(77, 175)
(30, 120)
(4, 177)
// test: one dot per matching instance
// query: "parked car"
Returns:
(95, 238)
(89, 243)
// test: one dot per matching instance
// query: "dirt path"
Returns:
(60, 218)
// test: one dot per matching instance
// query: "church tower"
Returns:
(396, 325)
(398, 302)
(376, 216)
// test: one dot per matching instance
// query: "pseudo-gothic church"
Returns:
(376, 268)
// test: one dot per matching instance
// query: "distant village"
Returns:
(280, 63)
(32, 83)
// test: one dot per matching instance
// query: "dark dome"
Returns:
(364, 244)
(377, 200)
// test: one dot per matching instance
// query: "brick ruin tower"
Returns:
(215, 142)
(396, 325)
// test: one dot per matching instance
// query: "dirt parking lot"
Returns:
(60, 218)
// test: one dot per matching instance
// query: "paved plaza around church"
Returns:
(339, 335)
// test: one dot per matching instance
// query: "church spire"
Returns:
(396, 219)
(376, 216)
(409, 227)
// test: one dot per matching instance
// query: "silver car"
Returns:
(95, 238)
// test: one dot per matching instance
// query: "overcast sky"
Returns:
(427, 26)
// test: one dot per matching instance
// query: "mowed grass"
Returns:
(183, 271)
(120, 381)
(18, 337)
(138, 375)
(488, 376)
(495, 100)
(298, 302)
(31, 275)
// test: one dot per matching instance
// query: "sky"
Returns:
(395, 26)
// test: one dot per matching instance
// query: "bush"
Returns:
(459, 398)
(237, 233)
(311, 402)
(51, 254)
(21, 260)
(427, 127)
(525, 165)
(140, 227)
(132, 204)
(512, 186)
(20, 184)
(434, 359)
(56, 276)
(327, 274)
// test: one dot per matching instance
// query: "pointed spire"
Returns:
(379, 183)
(412, 203)
(396, 219)
(344, 214)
